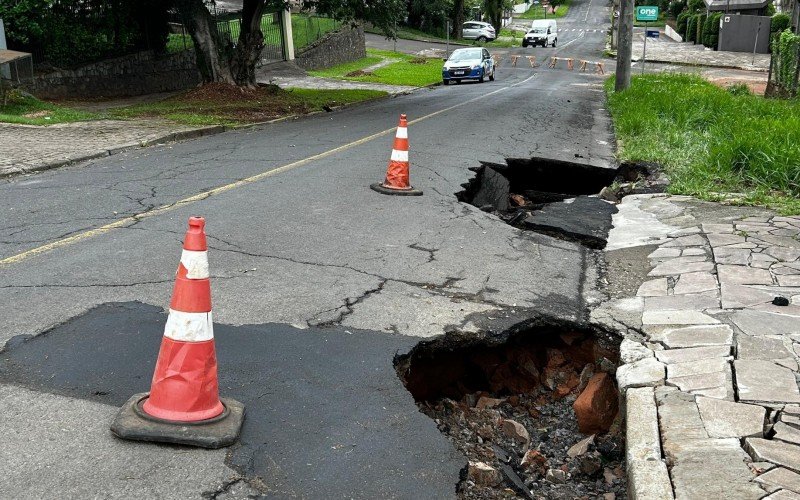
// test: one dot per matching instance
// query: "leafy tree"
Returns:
(218, 61)
(70, 32)
(676, 7)
(23, 19)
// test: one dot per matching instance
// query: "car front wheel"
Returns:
(555, 40)
(445, 82)
(483, 76)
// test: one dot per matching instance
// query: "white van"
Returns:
(543, 32)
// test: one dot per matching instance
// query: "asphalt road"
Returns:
(298, 241)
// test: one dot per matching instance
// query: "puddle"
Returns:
(509, 404)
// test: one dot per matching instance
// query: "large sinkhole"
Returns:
(563, 199)
(536, 411)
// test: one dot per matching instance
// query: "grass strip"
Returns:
(27, 110)
(537, 12)
(408, 70)
(714, 143)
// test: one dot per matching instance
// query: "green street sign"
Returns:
(647, 13)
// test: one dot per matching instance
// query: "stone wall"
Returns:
(343, 45)
(135, 74)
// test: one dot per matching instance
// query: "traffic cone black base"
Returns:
(132, 422)
(379, 187)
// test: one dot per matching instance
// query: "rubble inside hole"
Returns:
(508, 403)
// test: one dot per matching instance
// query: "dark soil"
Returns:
(550, 422)
(359, 72)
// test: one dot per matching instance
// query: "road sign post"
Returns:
(646, 13)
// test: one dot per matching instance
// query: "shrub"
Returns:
(691, 28)
(713, 36)
(785, 49)
(711, 31)
(682, 20)
(739, 89)
(780, 22)
(701, 20)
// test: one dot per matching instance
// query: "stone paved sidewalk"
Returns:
(27, 148)
(708, 353)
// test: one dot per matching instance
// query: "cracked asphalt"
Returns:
(298, 240)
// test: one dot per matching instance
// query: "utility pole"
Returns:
(625, 45)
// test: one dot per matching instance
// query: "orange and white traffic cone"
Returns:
(183, 405)
(397, 174)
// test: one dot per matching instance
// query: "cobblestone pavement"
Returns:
(27, 148)
(707, 352)
(667, 51)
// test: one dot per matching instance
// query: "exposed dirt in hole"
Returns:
(534, 410)
(568, 200)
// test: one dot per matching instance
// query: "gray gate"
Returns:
(229, 27)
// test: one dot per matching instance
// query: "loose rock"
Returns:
(597, 405)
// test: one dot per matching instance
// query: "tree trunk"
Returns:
(458, 18)
(494, 11)
(250, 45)
(207, 43)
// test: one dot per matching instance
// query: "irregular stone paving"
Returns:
(27, 148)
(715, 357)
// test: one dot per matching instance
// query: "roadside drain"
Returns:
(552, 197)
(535, 411)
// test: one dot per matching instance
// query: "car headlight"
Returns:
(476, 66)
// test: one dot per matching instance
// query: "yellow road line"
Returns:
(14, 259)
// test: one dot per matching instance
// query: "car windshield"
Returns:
(537, 30)
(465, 55)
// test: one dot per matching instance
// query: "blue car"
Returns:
(473, 63)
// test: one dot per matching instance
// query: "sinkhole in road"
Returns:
(534, 409)
(549, 196)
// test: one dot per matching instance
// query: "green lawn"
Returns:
(537, 12)
(28, 110)
(711, 141)
(408, 70)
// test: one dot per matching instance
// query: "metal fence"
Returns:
(784, 66)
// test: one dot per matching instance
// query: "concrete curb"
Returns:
(648, 477)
